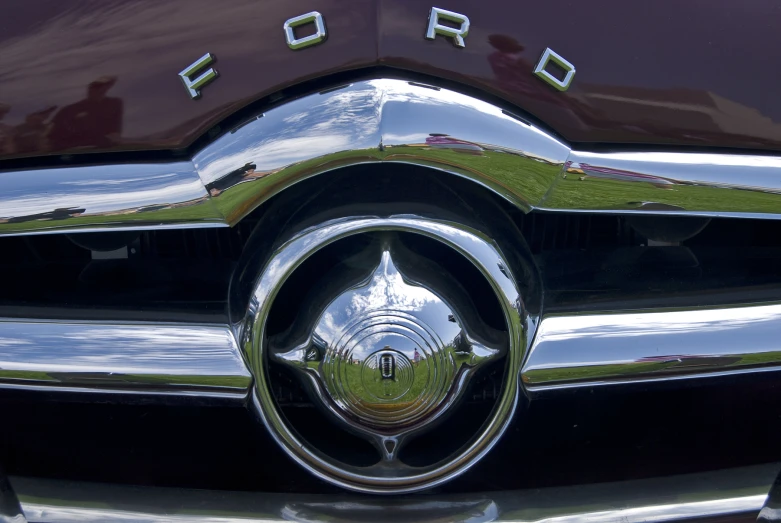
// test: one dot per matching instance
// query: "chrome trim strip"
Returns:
(608, 348)
(735, 493)
(135, 358)
(386, 120)
(10, 509)
(127, 196)
(669, 183)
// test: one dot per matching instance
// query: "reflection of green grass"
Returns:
(644, 369)
(202, 211)
(420, 382)
(597, 193)
(527, 179)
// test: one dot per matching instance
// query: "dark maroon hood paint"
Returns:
(80, 75)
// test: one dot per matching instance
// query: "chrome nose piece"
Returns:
(386, 339)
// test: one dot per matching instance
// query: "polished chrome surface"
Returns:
(456, 34)
(317, 37)
(389, 474)
(144, 358)
(390, 357)
(193, 81)
(10, 510)
(671, 183)
(385, 121)
(771, 512)
(608, 348)
(737, 494)
(548, 56)
(99, 197)
(375, 121)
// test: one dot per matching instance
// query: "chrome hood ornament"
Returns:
(389, 355)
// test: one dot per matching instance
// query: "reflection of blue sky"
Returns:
(624, 338)
(302, 129)
(98, 189)
(386, 291)
(121, 349)
(359, 117)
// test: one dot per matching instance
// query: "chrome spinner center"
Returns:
(389, 354)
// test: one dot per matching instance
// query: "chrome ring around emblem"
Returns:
(386, 373)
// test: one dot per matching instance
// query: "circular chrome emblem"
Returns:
(386, 355)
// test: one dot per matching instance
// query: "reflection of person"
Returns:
(95, 121)
(416, 357)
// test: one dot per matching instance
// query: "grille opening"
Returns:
(181, 274)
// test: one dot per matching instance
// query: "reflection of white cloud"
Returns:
(100, 189)
(145, 349)
(602, 339)
(102, 201)
(405, 138)
(101, 182)
(362, 116)
(386, 291)
(657, 323)
(300, 130)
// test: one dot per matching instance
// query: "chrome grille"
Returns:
(135, 347)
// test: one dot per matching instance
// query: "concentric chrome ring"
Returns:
(371, 399)
(390, 476)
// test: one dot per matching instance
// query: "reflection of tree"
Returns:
(56, 214)
(243, 174)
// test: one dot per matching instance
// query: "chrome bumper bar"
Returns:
(576, 350)
(367, 122)
(737, 494)
(608, 348)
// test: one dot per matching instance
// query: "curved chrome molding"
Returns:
(385, 120)
(390, 474)
(610, 348)
(141, 358)
(379, 121)
(733, 494)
